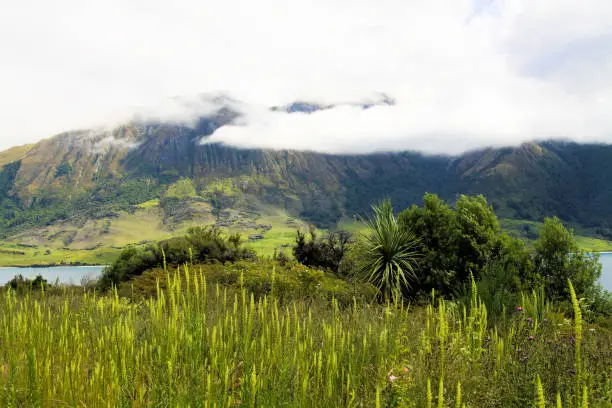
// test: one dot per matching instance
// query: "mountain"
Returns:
(143, 179)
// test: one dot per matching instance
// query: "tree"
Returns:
(557, 258)
(454, 242)
(387, 254)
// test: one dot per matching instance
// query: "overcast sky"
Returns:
(464, 73)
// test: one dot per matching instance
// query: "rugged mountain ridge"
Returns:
(91, 174)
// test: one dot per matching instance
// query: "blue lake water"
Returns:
(63, 274)
(605, 258)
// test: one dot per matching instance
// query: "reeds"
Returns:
(193, 345)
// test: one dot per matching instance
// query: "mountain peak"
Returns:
(380, 99)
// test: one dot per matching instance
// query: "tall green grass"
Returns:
(197, 345)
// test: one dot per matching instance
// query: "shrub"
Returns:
(261, 277)
(461, 242)
(387, 254)
(132, 261)
(454, 242)
(326, 252)
(281, 257)
(201, 245)
(309, 278)
(21, 284)
(557, 259)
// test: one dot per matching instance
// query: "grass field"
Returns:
(200, 345)
(16, 255)
(529, 231)
(124, 229)
(88, 244)
(352, 226)
(280, 238)
(591, 244)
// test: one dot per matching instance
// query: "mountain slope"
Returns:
(80, 188)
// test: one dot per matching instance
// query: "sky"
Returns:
(464, 74)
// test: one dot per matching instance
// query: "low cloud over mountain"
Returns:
(461, 74)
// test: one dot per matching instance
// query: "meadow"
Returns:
(99, 242)
(19, 255)
(198, 344)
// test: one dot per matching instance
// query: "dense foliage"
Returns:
(285, 281)
(557, 259)
(201, 244)
(21, 284)
(465, 241)
(326, 252)
(457, 243)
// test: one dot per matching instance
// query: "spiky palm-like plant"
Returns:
(387, 253)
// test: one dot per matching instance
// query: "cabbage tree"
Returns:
(387, 253)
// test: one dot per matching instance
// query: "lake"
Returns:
(65, 274)
(74, 274)
(605, 258)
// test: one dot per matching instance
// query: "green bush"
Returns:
(326, 252)
(460, 242)
(21, 284)
(557, 258)
(200, 245)
(261, 277)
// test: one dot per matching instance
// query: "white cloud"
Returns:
(464, 74)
